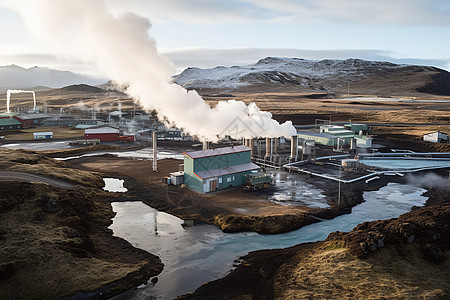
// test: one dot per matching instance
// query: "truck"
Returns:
(258, 180)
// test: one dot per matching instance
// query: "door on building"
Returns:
(213, 185)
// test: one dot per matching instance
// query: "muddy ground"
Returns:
(233, 210)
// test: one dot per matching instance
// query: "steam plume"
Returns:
(121, 47)
(8, 97)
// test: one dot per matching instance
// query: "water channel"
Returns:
(203, 253)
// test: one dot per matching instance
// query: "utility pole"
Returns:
(155, 150)
(339, 192)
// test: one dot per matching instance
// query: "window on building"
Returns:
(220, 180)
(229, 179)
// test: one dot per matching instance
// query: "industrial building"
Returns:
(105, 133)
(338, 136)
(217, 169)
(320, 138)
(435, 137)
(29, 120)
(360, 129)
(71, 122)
(9, 123)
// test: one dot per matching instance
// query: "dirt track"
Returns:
(27, 177)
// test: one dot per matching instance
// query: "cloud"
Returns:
(380, 12)
(193, 11)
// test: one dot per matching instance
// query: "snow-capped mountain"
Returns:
(305, 75)
(15, 77)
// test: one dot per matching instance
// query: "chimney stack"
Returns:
(250, 144)
(294, 148)
(268, 149)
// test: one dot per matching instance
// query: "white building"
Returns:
(435, 137)
(363, 141)
(42, 135)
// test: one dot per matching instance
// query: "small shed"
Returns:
(363, 141)
(43, 135)
(435, 137)
(177, 178)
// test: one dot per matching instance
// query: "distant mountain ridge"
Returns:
(16, 77)
(331, 76)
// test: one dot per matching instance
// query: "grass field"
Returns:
(58, 133)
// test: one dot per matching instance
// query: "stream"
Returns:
(195, 255)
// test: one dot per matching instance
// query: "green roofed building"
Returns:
(9, 124)
(357, 128)
(217, 169)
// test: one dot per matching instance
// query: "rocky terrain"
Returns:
(402, 258)
(55, 242)
(332, 77)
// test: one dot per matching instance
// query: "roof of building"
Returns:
(43, 133)
(33, 116)
(337, 127)
(9, 121)
(356, 124)
(433, 132)
(324, 135)
(179, 173)
(227, 171)
(363, 137)
(217, 151)
(84, 126)
(101, 129)
(342, 132)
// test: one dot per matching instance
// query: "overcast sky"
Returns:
(207, 33)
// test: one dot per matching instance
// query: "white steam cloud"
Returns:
(428, 180)
(8, 97)
(121, 47)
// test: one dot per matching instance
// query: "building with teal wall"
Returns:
(320, 138)
(217, 169)
(357, 128)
